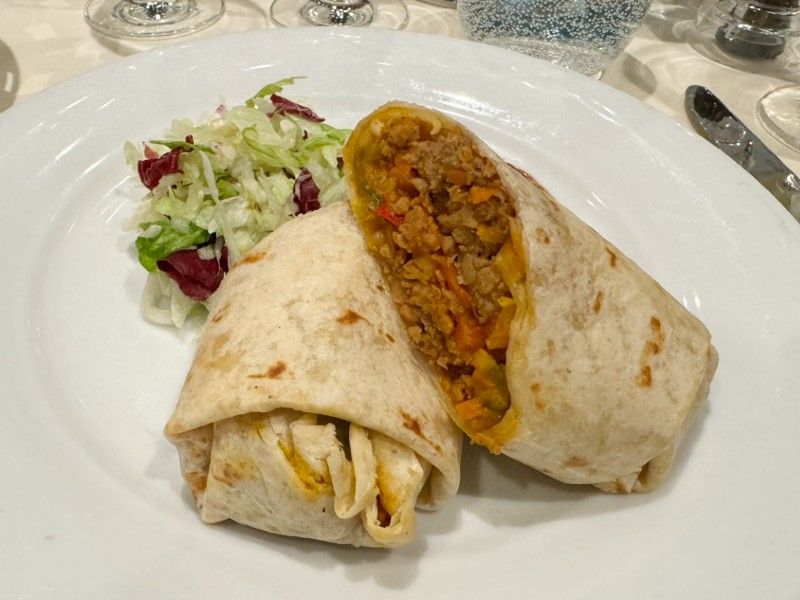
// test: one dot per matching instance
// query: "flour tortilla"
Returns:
(605, 368)
(306, 411)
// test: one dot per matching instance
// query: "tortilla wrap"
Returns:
(306, 411)
(603, 368)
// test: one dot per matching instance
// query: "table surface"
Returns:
(43, 42)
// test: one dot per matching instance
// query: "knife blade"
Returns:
(715, 122)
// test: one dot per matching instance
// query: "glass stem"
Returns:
(342, 4)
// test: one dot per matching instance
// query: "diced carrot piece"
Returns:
(471, 409)
(480, 193)
(468, 334)
(448, 270)
(400, 173)
(456, 177)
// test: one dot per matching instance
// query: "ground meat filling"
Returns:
(442, 227)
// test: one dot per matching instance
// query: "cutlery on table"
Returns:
(715, 122)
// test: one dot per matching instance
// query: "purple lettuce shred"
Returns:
(197, 277)
(306, 193)
(286, 106)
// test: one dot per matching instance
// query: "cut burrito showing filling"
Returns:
(553, 347)
(306, 411)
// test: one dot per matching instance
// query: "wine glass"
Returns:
(384, 14)
(151, 18)
(779, 113)
(758, 36)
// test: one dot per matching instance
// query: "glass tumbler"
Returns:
(583, 35)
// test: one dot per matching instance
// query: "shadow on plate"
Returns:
(506, 493)
(496, 489)
(672, 21)
(632, 71)
(9, 77)
(357, 564)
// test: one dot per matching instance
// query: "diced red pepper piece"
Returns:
(384, 212)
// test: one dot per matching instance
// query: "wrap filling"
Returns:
(444, 229)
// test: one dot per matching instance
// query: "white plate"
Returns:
(91, 501)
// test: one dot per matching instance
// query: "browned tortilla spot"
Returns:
(251, 258)
(619, 487)
(222, 362)
(276, 369)
(219, 342)
(220, 313)
(349, 317)
(652, 347)
(197, 482)
(655, 325)
(389, 336)
(598, 302)
(645, 377)
(541, 236)
(412, 424)
(540, 405)
(612, 257)
(575, 461)
(535, 387)
(233, 472)
(272, 372)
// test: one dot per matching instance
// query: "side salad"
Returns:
(217, 188)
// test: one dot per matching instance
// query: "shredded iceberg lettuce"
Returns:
(221, 185)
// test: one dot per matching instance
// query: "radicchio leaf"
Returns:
(197, 277)
(306, 193)
(286, 106)
(151, 170)
(154, 167)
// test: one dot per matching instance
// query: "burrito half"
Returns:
(306, 411)
(553, 347)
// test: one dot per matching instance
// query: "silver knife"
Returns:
(721, 127)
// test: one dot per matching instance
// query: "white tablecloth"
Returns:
(43, 42)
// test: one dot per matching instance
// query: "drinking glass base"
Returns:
(137, 19)
(381, 14)
(779, 113)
